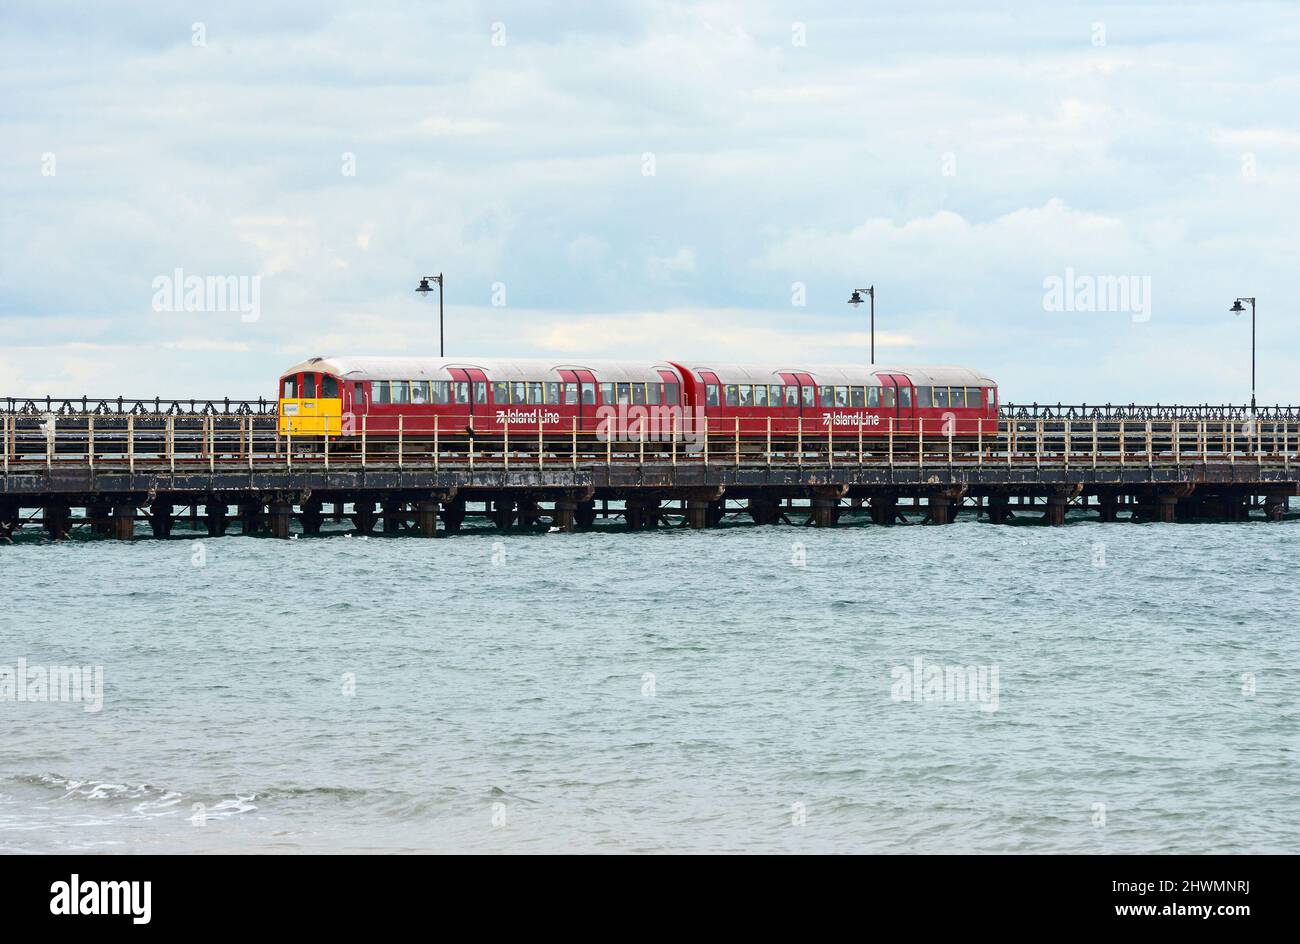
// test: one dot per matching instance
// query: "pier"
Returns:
(109, 466)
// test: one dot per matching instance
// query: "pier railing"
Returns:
(223, 441)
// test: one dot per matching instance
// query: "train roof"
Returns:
(435, 368)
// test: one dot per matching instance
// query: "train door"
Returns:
(904, 412)
(461, 397)
(808, 409)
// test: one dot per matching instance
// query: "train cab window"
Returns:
(607, 393)
(857, 398)
(440, 392)
(760, 395)
(957, 399)
(500, 391)
(710, 394)
(973, 399)
(923, 397)
(654, 393)
(940, 398)
(828, 396)
(638, 394)
(670, 394)
(462, 391)
(480, 391)
(886, 397)
(570, 394)
(329, 387)
(589, 394)
(732, 394)
(905, 397)
(308, 386)
(358, 396)
(289, 388)
(419, 391)
(552, 393)
(873, 398)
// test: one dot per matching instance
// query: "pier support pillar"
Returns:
(124, 521)
(281, 517)
(160, 518)
(394, 515)
(824, 503)
(1275, 505)
(100, 514)
(338, 512)
(1056, 507)
(884, 509)
(563, 516)
(585, 514)
(1107, 506)
(999, 508)
(426, 517)
(453, 514)
(697, 513)
(312, 515)
(9, 514)
(529, 512)
(503, 513)
(765, 510)
(252, 517)
(214, 515)
(363, 516)
(58, 520)
(641, 512)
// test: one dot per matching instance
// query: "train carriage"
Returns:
(423, 398)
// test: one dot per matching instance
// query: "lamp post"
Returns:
(855, 300)
(1237, 308)
(424, 289)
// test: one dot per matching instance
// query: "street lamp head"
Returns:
(856, 298)
(1237, 307)
(424, 287)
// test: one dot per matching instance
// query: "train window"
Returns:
(399, 391)
(289, 390)
(792, 396)
(670, 394)
(419, 391)
(841, 396)
(480, 391)
(329, 387)
(308, 386)
(571, 394)
(589, 394)
(973, 398)
(440, 391)
(518, 392)
(828, 396)
(887, 397)
(462, 391)
(775, 396)
(500, 391)
(957, 399)
(923, 397)
(857, 397)
(940, 398)
(905, 397)
(552, 393)
(746, 392)
(654, 393)
(873, 398)
(710, 394)
(358, 396)
(624, 394)
(732, 395)
(638, 394)
(535, 392)
(760, 395)
(607, 393)
(379, 391)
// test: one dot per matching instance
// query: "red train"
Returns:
(384, 395)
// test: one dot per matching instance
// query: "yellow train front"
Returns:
(311, 402)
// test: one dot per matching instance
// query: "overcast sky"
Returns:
(651, 180)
